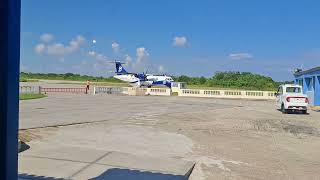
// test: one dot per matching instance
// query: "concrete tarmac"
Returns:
(228, 139)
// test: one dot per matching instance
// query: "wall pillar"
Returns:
(317, 91)
(305, 85)
(9, 90)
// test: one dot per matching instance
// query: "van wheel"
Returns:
(283, 110)
(304, 111)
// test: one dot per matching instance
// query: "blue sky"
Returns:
(196, 38)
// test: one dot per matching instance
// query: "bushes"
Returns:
(23, 79)
(236, 80)
(243, 80)
(66, 76)
(191, 80)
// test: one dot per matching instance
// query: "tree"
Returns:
(202, 80)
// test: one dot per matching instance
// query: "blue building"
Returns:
(310, 81)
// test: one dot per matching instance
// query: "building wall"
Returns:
(317, 92)
(311, 86)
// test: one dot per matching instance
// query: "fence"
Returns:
(227, 94)
(132, 91)
(135, 91)
(159, 91)
(29, 89)
(110, 90)
(236, 94)
(62, 90)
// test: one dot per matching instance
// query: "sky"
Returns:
(176, 37)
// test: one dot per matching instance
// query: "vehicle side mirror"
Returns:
(275, 94)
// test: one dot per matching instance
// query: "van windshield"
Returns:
(293, 90)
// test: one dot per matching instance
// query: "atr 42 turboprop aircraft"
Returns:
(138, 80)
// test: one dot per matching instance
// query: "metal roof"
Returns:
(307, 71)
(291, 85)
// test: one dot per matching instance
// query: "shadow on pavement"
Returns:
(23, 146)
(34, 177)
(127, 174)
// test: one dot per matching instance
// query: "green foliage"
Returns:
(67, 76)
(174, 94)
(234, 80)
(30, 96)
(27, 80)
(23, 79)
(191, 80)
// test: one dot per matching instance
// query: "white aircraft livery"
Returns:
(138, 80)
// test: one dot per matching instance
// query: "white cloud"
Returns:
(94, 67)
(128, 60)
(46, 37)
(141, 54)
(115, 47)
(240, 56)
(75, 44)
(91, 53)
(180, 41)
(59, 49)
(40, 48)
(101, 57)
(100, 63)
(161, 68)
(97, 56)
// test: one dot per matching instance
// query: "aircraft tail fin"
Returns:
(120, 69)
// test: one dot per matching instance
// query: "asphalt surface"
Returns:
(65, 109)
(228, 139)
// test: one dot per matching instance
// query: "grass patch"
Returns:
(174, 94)
(28, 80)
(30, 96)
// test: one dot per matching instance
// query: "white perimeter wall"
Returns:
(236, 94)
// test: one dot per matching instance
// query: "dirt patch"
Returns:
(294, 128)
(301, 129)
(316, 108)
(267, 125)
(36, 134)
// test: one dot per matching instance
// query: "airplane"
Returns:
(142, 79)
